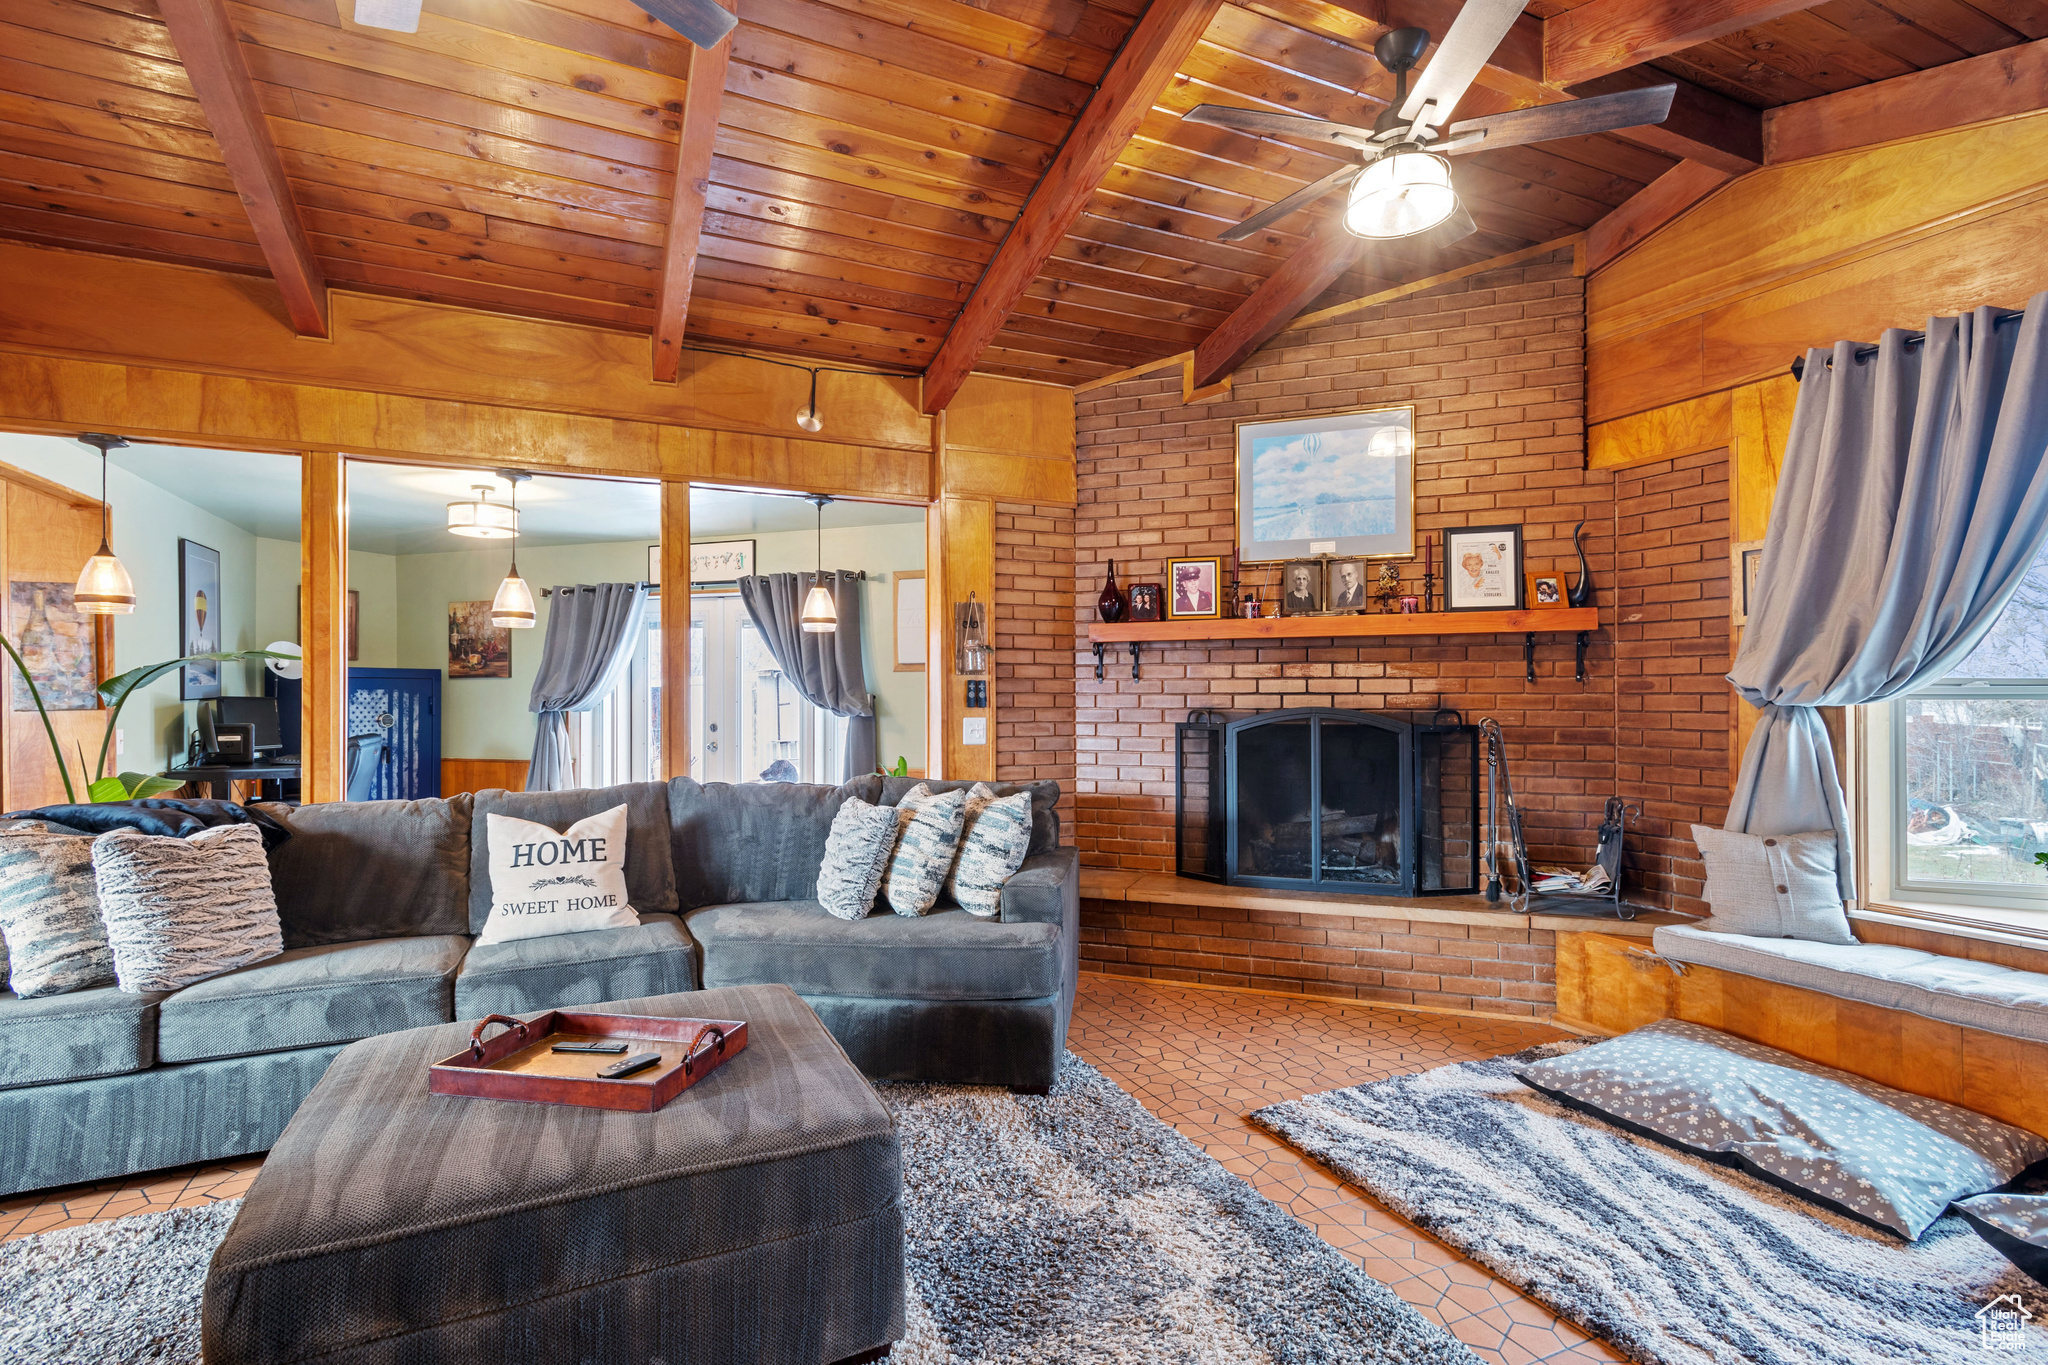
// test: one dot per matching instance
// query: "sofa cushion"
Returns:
(1978, 995)
(1045, 803)
(653, 957)
(103, 1031)
(332, 993)
(650, 874)
(946, 955)
(354, 870)
(753, 841)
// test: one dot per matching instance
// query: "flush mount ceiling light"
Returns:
(807, 415)
(820, 615)
(104, 588)
(513, 604)
(481, 518)
(703, 22)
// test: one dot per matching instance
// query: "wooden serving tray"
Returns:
(518, 1065)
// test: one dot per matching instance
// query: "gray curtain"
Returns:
(1912, 501)
(592, 628)
(826, 670)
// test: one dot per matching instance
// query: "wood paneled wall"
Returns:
(1807, 253)
(481, 774)
(47, 532)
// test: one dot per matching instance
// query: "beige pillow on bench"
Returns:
(1773, 885)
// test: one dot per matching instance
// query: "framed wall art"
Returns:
(58, 643)
(199, 629)
(1483, 569)
(908, 587)
(1301, 587)
(476, 648)
(1349, 586)
(1194, 589)
(1339, 483)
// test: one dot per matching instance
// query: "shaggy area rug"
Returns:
(1069, 1228)
(1673, 1260)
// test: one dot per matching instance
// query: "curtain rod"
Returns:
(1912, 339)
(860, 574)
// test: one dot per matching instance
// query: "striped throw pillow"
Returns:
(924, 850)
(993, 842)
(50, 915)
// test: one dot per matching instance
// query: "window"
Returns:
(1964, 804)
(619, 739)
(749, 722)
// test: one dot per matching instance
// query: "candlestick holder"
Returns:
(1429, 592)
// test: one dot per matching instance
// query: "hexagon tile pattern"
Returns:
(1201, 1060)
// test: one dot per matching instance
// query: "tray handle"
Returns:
(690, 1053)
(476, 1035)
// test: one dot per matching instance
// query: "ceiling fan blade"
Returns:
(1573, 118)
(1474, 34)
(703, 22)
(1300, 199)
(1277, 125)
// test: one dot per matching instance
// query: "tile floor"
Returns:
(1201, 1060)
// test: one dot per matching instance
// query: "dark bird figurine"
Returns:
(1581, 594)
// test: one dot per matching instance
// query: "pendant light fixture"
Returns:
(807, 416)
(513, 604)
(481, 518)
(104, 588)
(820, 616)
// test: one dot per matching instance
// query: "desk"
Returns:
(216, 777)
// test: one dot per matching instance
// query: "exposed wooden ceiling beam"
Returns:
(1164, 35)
(1296, 284)
(212, 57)
(1998, 84)
(1650, 208)
(686, 202)
(1606, 36)
(1703, 126)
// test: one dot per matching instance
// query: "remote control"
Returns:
(639, 1062)
(588, 1047)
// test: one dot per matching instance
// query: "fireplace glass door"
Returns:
(1321, 801)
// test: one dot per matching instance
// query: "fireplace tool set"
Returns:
(1504, 841)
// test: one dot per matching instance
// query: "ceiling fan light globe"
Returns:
(1400, 195)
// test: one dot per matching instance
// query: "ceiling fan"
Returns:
(703, 22)
(1402, 187)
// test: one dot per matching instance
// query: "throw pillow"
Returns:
(182, 910)
(856, 855)
(544, 882)
(1876, 1154)
(2015, 1224)
(50, 915)
(1773, 886)
(994, 838)
(930, 836)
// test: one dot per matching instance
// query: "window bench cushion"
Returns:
(1955, 990)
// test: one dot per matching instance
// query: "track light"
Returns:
(807, 415)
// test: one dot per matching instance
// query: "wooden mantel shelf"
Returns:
(1546, 619)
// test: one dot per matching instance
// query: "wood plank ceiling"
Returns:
(870, 154)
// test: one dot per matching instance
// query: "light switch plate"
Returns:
(974, 730)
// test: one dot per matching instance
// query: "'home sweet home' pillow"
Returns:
(547, 882)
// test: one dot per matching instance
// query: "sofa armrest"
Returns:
(1046, 889)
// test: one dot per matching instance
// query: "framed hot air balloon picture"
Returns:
(199, 626)
(1337, 483)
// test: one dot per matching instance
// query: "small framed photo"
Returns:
(1301, 587)
(1746, 562)
(1545, 590)
(1349, 586)
(1147, 601)
(1194, 589)
(1483, 569)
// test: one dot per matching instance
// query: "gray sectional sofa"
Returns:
(380, 902)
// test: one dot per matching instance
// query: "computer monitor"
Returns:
(260, 713)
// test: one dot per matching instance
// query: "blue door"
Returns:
(404, 706)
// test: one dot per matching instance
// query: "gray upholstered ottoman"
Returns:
(755, 1219)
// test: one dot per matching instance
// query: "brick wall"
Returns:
(1034, 691)
(1494, 366)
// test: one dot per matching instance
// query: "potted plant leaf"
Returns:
(114, 693)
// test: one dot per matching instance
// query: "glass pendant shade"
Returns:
(819, 617)
(104, 588)
(1400, 195)
(482, 519)
(513, 605)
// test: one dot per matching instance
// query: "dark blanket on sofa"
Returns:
(171, 817)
